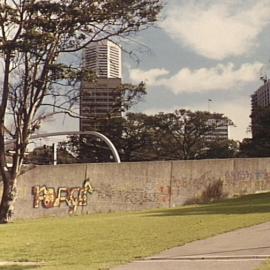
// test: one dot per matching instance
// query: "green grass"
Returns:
(265, 266)
(104, 240)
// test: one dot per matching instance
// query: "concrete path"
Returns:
(244, 249)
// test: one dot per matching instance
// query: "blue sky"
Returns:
(200, 50)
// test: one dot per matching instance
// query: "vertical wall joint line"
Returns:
(171, 188)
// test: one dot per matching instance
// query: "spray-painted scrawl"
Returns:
(73, 197)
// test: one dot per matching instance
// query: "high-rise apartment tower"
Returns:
(100, 98)
(260, 99)
(104, 58)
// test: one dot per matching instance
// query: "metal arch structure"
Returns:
(93, 133)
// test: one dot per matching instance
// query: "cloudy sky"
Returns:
(200, 50)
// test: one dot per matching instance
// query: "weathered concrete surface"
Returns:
(191, 177)
(129, 186)
(243, 249)
(117, 187)
(141, 185)
(51, 176)
(239, 176)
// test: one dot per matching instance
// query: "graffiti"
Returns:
(245, 175)
(73, 197)
(128, 195)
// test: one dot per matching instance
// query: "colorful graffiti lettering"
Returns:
(48, 197)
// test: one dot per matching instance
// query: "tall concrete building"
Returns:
(260, 98)
(100, 98)
(105, 58)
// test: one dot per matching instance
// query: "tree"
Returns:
(137, 138)
(255, 148)
(128, 134)
(88, 148)
(182, 134)
(220, 149)
(185, 134)
(35, 37)
(44, 156)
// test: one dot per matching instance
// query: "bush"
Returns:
(213, 192)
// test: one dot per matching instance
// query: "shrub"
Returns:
(213, 192)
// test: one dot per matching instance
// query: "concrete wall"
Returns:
(142, 185)
(239, 176)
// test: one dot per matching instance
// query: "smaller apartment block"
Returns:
(221, 130)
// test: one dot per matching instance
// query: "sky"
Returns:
(199, 50)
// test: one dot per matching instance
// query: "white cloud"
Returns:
(150, 77)
(220, 77)
(153, 110)
(217, 29)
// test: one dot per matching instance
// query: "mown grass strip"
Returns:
(265, 266)
(104, 240)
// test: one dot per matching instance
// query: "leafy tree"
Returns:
(220, 149)
(91, 149)
(182, 134)
(185, 134)
(35, 37)
(136, 136)
(44, 156)
(254, 148)
(127, 134)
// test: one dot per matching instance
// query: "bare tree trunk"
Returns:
(8, 199)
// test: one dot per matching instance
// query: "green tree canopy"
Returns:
(182, 134)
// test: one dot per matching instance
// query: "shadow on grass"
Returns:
(259, 203)
(18, 267)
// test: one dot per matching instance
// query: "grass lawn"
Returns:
(103, 240)
(266, 266)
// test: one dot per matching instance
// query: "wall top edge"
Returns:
(151, 162)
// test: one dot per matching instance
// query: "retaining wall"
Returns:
(89, 188)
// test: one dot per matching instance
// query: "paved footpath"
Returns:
(244, 249)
